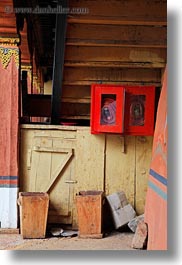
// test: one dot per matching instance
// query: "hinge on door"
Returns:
(71, 181)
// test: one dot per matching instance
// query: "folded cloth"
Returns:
(108, 112)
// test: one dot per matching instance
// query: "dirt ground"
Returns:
(112, 241)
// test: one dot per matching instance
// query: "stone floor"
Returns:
(112, 241)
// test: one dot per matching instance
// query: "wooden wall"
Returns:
(109, 163)
(116, 42)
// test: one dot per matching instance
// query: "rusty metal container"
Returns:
(33, 214)
(89, 209)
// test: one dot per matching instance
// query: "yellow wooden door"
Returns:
(52, 171)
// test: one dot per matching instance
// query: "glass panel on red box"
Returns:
(108, 109)
(137, 110)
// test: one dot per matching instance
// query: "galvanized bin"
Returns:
(33, 214)
(89, 209)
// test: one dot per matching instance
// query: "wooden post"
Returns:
(9, 116)
(58, 64)
(156, 198)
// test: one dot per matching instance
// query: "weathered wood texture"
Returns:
(50, 169)
(9, 110)
(125, 11)
(113, 42)
(143, 159)
(7, 19)
(88, 75)
(117, 56)
(120, 166)
(117, 34)
(33, 214)
(89, 207)
(107, 163)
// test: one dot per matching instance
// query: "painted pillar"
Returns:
(156, 199)
(9, 117)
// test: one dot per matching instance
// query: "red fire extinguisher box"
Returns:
(139, 110)
(107, 109)
(127, 110)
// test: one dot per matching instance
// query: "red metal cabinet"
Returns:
(128, 110)
(107, 109)
(139, 110)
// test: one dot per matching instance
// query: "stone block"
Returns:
(134, 222)
(140, 237)
(122, 211)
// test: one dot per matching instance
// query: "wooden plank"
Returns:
(52, 150)
(97, 20)
(84, 55)
(123, 82)
(89, 160)
(110, 74)
(76, 91)
(89, 170)
(113, 43)
(76, 117)
(114, 34)
(26, 136)
(120, 167)
(143, 159)
(130, 10)
(58, 170)
(76, 109)
(76, 100)
(115, 64)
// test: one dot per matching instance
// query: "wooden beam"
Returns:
(131, 10)
(61, 25)
(118, 75)
(115, 64)
(114, 34)
(112, 43)
(113, 21)
(76, 91)
(130, 83)
(76, 100)
(117, 55)
(78, 117)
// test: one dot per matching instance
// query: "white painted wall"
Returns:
(8, 208)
